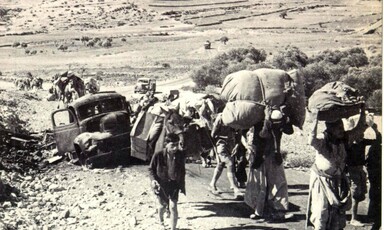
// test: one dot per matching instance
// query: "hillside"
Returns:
(147, 34)
(122, 40)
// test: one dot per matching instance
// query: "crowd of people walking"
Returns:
(338, 182)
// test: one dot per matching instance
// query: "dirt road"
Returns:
(66, 197)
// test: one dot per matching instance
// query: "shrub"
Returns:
(291, 58)
(214, 72)
(315, 76)
(354, 57)
(10, 120)
(366, 80)
(99, 75)
(85, 38)
(241, 54)
(16, 44)
(166, 65)
(333, 57)
(224, 39)
(355, 60)
(90, 44)
(375, 100)
(62, 47)
(205, 76)
(283, 14)
(106, 43)
(189, 88)
(376, 60)
(331, 65)
(212, 89)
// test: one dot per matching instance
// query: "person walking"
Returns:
(224, 138)
(355, 162)
(267, 188)
(240, 160)
(373, 163)
(329, 191)
(167, 174)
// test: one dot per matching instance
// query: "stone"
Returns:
(13, 195)
(7, 204)
(20, 205)
(55, 188)
(23, 195)
(23, 184)
(54, 216)
(32, 193)
(42, 203)
(33, 205)
(38, 186)
(132, 221)
(100, 193)
(76, 211)
(71, 220)
(65, 214)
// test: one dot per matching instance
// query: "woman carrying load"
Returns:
(329, 192)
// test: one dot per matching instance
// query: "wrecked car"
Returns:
(96, 127)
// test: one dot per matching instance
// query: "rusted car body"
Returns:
(104, 113)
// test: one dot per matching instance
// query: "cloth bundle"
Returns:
(248, 92)
(335, 100)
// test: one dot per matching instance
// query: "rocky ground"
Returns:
(148, 38)
(63, 196)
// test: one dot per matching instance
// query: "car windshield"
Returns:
(145, 81)
(98, 107)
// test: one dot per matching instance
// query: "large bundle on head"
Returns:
(334, 101)
(248, 91)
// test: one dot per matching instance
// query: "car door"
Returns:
(65, 129)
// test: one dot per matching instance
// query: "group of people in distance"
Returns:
(337, 177)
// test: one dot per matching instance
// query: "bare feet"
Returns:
(356, 223)
(238, 195)
(214, 190)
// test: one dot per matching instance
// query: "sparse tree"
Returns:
(283, 14)
(224, 40)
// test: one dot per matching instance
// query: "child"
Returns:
(167, 174)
